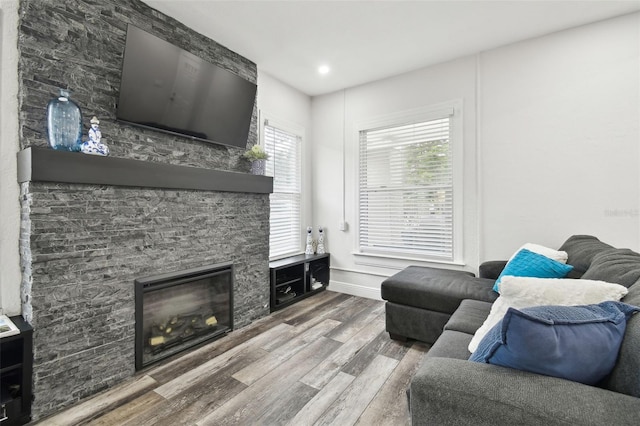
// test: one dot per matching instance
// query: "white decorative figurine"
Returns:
(93, 145)
(309, 248)
(320, 249)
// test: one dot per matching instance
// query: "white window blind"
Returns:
(406, 190)
(284, 149)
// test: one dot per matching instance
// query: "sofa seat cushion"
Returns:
(455, 392)
(434, 289)
(451, 344)
(469, 316)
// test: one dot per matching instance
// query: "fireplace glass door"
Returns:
(178, 311)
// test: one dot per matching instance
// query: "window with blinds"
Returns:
(406, 190)
(284, 149)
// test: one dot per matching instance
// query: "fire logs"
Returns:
(181, 327)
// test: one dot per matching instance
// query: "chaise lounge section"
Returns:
(421, 301)
(445, 308)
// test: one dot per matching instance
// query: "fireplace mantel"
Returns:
(47, 165)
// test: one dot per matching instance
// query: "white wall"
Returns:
(555, 151)
(281, 102)
(335, 141)
(559, 135)
(9, 190)
(275, 99)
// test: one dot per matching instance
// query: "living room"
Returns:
(548, 132)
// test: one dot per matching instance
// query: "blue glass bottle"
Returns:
(64, 123)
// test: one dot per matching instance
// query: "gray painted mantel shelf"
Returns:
(47, 165)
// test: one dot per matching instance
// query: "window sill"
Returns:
(399, 262)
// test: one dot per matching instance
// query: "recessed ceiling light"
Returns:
(324, 69)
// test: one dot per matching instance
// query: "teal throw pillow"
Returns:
(529, 264)
(578, 343)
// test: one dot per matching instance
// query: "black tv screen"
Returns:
(167, 88)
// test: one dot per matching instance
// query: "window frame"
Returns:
(395, 259)
(299, 132)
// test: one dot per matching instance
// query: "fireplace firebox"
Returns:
(177, 311)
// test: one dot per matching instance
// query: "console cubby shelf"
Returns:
(292, 278)
(16, 361)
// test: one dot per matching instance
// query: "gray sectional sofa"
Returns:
(445, 308)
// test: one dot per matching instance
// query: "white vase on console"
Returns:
(320, 249)
(309, 248)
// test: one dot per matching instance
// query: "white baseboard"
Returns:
(355, 290)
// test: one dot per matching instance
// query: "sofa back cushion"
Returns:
(633, 295)
(620, 266)
(580, 250)
(599, 261)
(625, 377)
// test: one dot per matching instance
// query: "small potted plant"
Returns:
(258, 158)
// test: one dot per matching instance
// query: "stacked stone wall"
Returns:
(82, 246)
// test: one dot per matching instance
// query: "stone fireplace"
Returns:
(84, 245)
(91, 226)
(177, 311)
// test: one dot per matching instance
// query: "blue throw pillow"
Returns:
(529, 264)
(579, 343)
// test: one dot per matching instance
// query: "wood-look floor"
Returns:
(323, 361)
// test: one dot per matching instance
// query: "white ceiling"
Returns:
(364, 41)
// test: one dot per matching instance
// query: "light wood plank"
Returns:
(207, 394)
(390, 407)
(278, 359)
(255, 401)
(258, 369)
(364, 356)
(303, 315)
(309, 305)
(329, 367)
(312, 318)
(323, 400)
(288, 405)
(317, 318)
(349, 328)
(381, 345)
(179, 384)
(396, 349)
(185, 362)
(184, 408)
(281, 339)
(145, 403)
(347, 312)
(90, 409)
(352, 402)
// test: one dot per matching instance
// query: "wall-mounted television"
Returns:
(169, 89)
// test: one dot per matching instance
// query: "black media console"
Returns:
(16, 366)
(295, 278)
